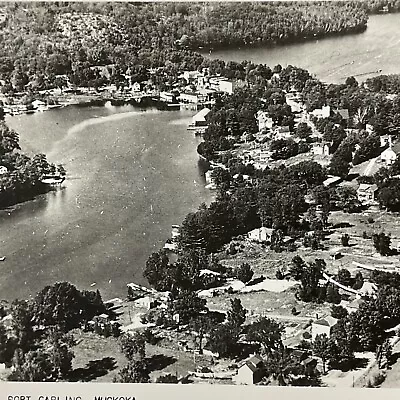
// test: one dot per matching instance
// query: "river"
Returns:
(131, 175)
(334, 58)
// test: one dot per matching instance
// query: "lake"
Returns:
(334, 58)
(131, 175)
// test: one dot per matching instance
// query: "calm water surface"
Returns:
(131, 174)
(335, 58)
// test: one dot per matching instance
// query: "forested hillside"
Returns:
(40, 41)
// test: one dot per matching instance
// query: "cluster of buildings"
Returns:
(196, 90)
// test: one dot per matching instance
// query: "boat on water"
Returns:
(53, 179)
(3, 258)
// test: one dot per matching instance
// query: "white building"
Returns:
(321, 149)
(264, 121)
(192, 97)
(389, 156)
(200, 118)
(167, 97)
(250, 372)
(260, 234)
(323, 326)
(323, 112)
(366, 193)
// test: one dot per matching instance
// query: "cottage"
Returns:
(323, 326)
(389, 156)
(323, 112)
(366, 193)
(264, 121)
(331, 181)
(354, 305)
(321, 148)
(168, 97)
(191, 76)
(227, 86)
(192, 97)
(343, 112)
(260, 234)
(366, 168)
(251, 372)
(294, 101)
(146, 302)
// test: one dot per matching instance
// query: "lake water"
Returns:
(335, 58)
(131, 175)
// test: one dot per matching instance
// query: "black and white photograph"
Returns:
(200, 193)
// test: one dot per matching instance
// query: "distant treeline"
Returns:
(40, 42)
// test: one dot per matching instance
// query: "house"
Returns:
(251, 372)
(368, 289)
(369, 129)
(366, 193)
(208, 272)
(323, 326)
(147, 302)
(38, 104)
(136, 87)
(209, 180)
(260, 234)
(191, 76)
(321, 148)
(200, 118)
(354, 305)
(386, 140)
(192, 97)
(264, 121)
(168, 97)
(323, 112)
(366, 168)
(295, 102)
(389, 156)
(227, 86)
(3, 170)
(281, 132)
(175, 232)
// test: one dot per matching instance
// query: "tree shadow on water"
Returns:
(94, 369)
(159, 362)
